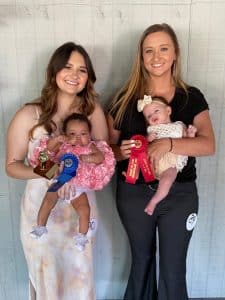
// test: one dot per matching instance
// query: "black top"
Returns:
(183, 109)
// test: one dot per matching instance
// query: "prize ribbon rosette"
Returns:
(70, 164)
(139, 161)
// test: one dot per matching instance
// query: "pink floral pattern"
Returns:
(89, 175)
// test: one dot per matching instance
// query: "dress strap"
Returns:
(37, 112)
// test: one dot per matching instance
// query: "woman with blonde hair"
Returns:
(57, 270)
(157, 72)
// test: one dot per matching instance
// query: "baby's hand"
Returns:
(61, 138)
(152, 136)
(67, 191)
(191, 131)
(85, 158)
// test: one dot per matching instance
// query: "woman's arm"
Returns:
(17, 143)
(123, 151)
(99, 124)
(201, 145)
(204, 142)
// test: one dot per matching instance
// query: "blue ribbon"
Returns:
(69, 171)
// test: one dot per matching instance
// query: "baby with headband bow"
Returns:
(157, 113)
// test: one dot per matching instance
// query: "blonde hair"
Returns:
(135, 87)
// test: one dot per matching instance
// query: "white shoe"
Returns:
(93, 224)
(80, 241)
(38, 232)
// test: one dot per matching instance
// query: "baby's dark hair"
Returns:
(160, 99)
(76, 117)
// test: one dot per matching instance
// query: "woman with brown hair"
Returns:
(56, 269)
(157, 72)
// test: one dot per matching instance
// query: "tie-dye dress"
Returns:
(57, 270)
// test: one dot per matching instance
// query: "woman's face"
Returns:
(78, 133)
(73, 77)
(158, 53)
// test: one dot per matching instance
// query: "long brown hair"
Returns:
(48, 100)
(135, 87)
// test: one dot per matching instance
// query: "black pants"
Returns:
(175, 218)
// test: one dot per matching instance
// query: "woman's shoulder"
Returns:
(188, 104)
(97, 105)
(194, 91)
(190, 96)
(191, 90)
(98, 122)
(197, 98)
(97, 110)
(28, 113)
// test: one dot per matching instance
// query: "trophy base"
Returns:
(47, 170)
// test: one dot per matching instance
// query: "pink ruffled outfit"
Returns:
(89, 175)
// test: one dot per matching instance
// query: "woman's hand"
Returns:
(157, 149)
(67, 191)
(125, 148)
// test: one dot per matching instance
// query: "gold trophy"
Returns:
(46, 167)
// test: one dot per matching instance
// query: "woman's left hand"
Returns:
(156, 149)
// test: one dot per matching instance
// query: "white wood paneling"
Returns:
(109, 30)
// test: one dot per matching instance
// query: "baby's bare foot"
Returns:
(149, 209)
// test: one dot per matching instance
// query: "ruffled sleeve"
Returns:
(96, 176)
(40, 145)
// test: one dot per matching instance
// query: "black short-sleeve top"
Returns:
(184, 108)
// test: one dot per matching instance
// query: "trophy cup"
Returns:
(46, 167)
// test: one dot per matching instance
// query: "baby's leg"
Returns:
(166, 180)
(81, 205)
(47, 205)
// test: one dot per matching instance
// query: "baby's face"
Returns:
(157, 113)
(78, 133)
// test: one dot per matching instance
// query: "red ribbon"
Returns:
(139, 160)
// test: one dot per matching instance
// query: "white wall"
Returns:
(109, 30)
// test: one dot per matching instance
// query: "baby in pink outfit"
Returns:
(95, 169)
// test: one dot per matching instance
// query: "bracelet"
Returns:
(171, 144)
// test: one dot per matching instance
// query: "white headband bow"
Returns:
(142, 102)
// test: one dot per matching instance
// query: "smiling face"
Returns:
(158, 53)
(157, 113)
(78, 133)
(73, 77)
